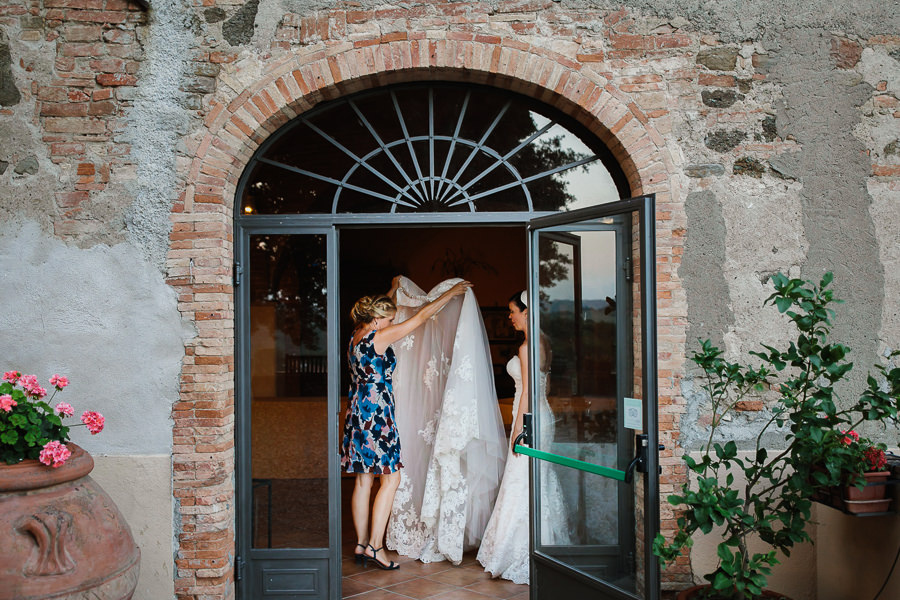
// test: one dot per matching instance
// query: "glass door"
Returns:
(286, 413)
(594, 480)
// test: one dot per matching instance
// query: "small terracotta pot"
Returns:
(873, 490)
(693, 592)
(61, 536)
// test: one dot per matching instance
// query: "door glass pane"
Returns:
(586, 521)
(288, 366)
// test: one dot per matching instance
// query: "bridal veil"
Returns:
(454, 444)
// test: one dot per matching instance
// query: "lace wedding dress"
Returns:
(453, 442)
(504, 549)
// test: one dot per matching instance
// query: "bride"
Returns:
(454, 446)
(504, 549)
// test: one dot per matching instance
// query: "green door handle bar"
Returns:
(573, 463)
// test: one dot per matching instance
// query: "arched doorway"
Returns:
(457, 165)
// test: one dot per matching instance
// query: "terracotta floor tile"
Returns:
(380, 595)
(420, 588)
(459, 577)
(378, 578)
(460, 594)
(351, 587)
(429, 569)
(349, 567)
(497, 588)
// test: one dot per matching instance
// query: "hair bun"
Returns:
(524, 297)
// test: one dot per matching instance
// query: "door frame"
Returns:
(245, 577)
(644, 206)
(330, 225)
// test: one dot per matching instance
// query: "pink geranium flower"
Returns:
(7, 402)
(64, 408)
(55, 454)
(59, 381)
(93, 420)
(11, 376)
(28, 382)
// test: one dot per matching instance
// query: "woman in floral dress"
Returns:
(370, 444)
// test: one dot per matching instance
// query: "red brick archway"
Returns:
(200, 252)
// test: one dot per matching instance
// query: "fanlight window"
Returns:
(434, 148)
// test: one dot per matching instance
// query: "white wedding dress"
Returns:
(504, 549)
(451, 432)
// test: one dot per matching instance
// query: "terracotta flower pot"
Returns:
(873, 490)
(694, 593)
(61, 536)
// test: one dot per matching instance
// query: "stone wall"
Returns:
(768, 131)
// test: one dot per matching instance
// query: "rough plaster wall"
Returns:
(703, 274)
(820, 110)
(105, 318)
(156, 124)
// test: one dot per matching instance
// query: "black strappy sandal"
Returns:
(360, 557)
(378, 563)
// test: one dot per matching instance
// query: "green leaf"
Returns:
(724, 552)
(783, 304)
(721, 581)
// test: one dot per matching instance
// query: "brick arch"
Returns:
(200, 253)
(295, 84)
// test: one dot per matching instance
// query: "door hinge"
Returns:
(629, 272)
(237, 273)
(238, 568)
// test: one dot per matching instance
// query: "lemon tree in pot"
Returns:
(767, 494)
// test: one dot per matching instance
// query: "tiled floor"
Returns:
(436, 581)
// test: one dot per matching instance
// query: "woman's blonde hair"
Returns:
(369, 308)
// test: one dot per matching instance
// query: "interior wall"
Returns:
(493, 258)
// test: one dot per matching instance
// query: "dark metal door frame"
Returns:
(645, 207)
(247, 577)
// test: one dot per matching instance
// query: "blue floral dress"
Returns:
(371, 443)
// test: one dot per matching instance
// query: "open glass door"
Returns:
(286, 414)
(594, 477)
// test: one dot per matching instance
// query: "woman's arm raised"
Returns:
(387, 336)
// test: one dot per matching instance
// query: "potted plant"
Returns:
(763, 493)
(60, 534)
(865, 494)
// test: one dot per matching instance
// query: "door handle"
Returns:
(525, 436)
(640, 461)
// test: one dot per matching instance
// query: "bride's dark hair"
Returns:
(517, 299)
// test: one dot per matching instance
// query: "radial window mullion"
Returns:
(353, 156)
(459, 122)
(387, 151)
(528, 180)
(478, 147)
(412, 151)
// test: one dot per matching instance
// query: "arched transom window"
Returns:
(436, 147)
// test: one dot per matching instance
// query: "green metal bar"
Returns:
(571, 462)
